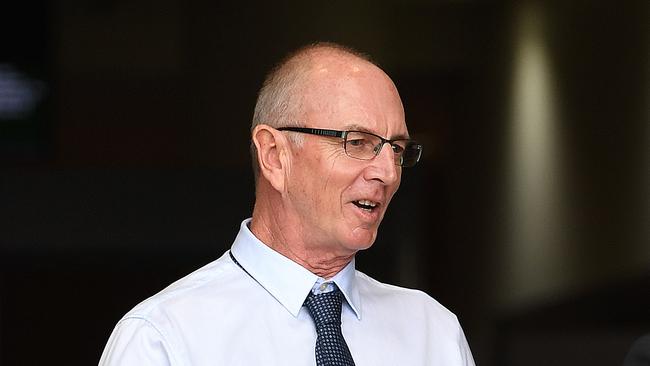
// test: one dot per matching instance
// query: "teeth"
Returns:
(367, 203)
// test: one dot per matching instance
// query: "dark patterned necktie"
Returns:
(325, 309)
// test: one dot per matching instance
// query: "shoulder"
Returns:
(407, 301)
(200, 285)
(639, 353)
(417, 318)
(156, 330)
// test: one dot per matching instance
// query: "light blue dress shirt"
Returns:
(220, 315)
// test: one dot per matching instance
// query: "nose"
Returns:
(383, 167)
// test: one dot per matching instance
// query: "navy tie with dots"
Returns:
(325, 309)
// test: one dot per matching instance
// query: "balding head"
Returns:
(280, 102)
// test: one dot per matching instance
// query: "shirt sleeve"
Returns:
(465, 352)
(136, 342)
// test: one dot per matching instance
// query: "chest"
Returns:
(265, 333)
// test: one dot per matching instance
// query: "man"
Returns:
(329, 141)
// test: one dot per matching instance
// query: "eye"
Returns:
(398, 148)
(359, 142)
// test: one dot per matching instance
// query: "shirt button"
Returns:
(323, 286)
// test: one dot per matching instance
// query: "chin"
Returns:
(366, 246)
(362, 239)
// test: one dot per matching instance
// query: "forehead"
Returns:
(353, 94)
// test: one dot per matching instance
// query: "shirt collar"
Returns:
(345, 282)
(287, 281)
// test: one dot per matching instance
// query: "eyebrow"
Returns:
(356, 127)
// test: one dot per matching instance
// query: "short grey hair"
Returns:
(279, 101)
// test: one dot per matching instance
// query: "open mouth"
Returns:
(366, 205)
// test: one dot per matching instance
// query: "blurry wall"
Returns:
(528, 216)
(577, 163)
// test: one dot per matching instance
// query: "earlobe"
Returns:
(270, 144)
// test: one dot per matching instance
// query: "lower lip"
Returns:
(369, 216)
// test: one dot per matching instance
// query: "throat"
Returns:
(326, 268)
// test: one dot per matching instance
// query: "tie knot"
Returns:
(325, 308)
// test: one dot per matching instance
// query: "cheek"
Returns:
(328, 193)
(317, 187)
(334, 178)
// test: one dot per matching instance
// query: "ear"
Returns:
(272, 154)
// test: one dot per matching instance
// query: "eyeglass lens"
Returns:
(366, 146)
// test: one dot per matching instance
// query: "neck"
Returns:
(279, 232)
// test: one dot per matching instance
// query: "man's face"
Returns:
(340, 201)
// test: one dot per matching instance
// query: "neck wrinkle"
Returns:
(267, 225)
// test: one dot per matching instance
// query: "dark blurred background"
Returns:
(124, 162)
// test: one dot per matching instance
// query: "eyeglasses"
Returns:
(365, 145)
